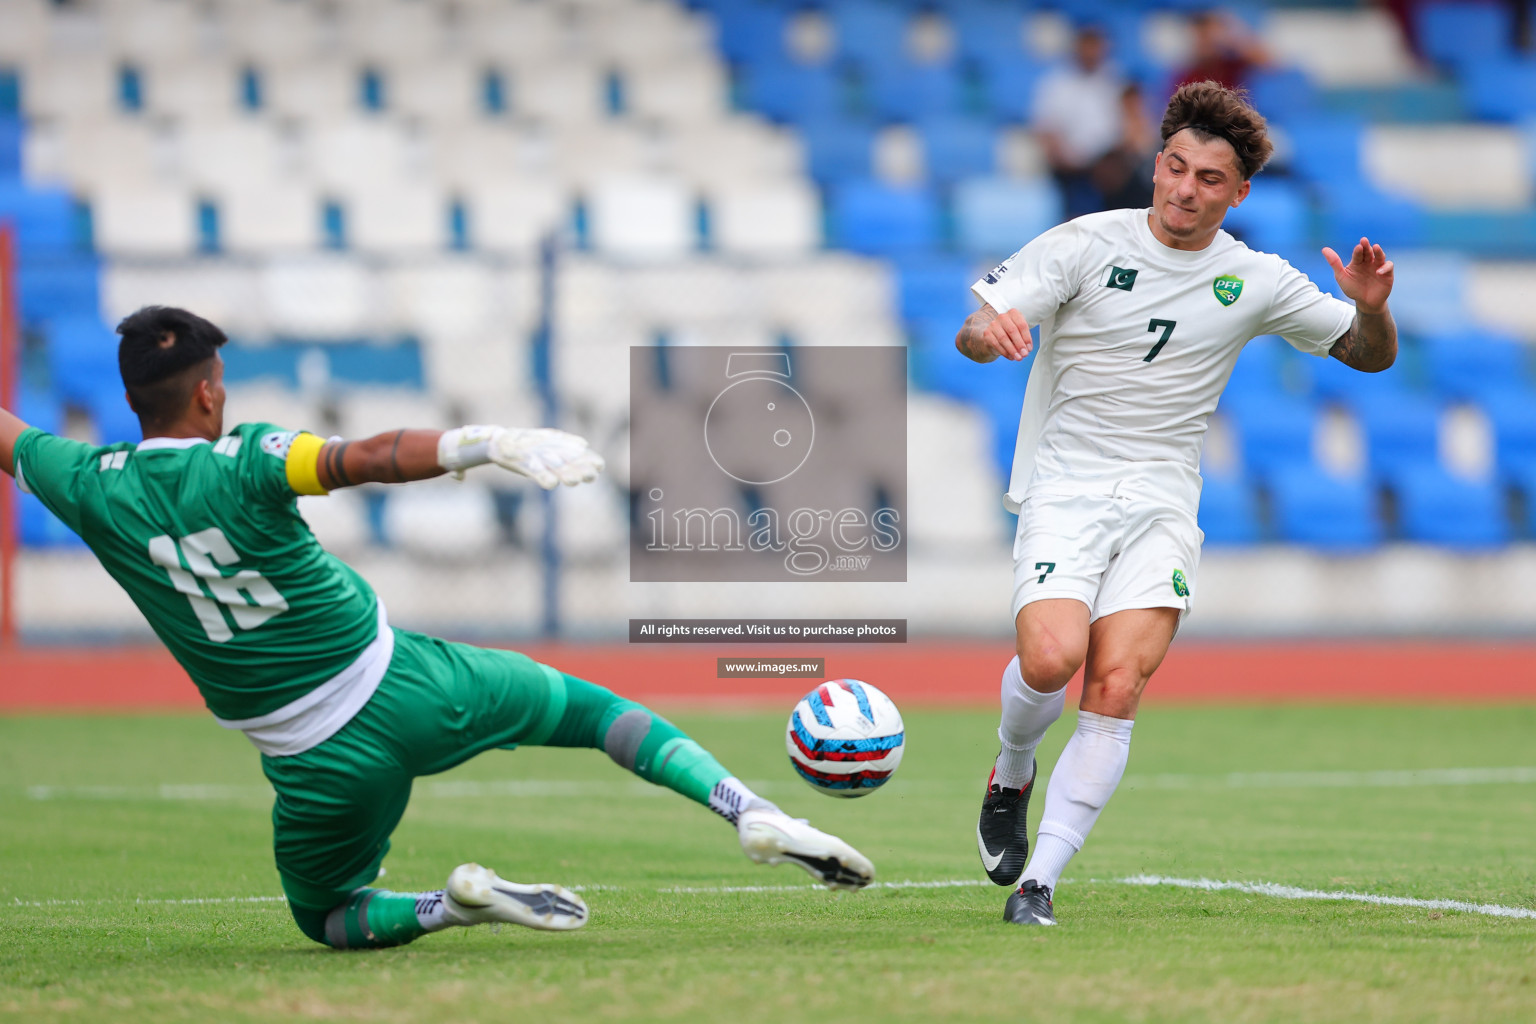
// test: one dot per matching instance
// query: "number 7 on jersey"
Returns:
(1166, 326)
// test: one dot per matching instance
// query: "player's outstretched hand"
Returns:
(1368, 278)
(550, 457)
(1008, 335)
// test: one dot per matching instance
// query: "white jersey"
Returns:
(1137, 341)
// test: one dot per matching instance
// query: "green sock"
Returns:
(638, 740)
(374, 918)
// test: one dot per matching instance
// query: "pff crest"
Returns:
(1227, 289)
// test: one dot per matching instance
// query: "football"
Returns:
(845, 738)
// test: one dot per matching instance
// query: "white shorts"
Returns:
(1111, 553)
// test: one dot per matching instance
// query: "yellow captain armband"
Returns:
(303, 464)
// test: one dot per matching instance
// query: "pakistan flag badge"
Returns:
(1227, 289)
(1180, 586)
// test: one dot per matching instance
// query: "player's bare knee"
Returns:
(1116, 693)
(1047, 666)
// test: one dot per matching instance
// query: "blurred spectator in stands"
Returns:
(1123, 176)
(1077, 116)
(1225, 51)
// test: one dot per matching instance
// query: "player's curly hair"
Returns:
(1213, 111)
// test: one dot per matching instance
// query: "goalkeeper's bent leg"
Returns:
(373, 919)
(641, 741)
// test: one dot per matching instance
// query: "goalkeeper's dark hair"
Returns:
(1213, 111)
(164, 353)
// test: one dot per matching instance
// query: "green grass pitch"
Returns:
(108, 824)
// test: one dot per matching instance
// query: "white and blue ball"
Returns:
(845, 738)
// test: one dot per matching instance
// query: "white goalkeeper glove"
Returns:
(551, 457)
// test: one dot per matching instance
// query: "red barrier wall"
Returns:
(917, 673)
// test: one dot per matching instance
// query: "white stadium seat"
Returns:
(397, 218)
(226, 292)
(1493, 165)
(389, 30)
(731, 151)
(512, 215)
(562, 91)
(23, 28)
(765, 218)
(269, 403)
(437, 91)
(689, 88)
(338, 520)
(325, 90)
(320, 297)
(151, 28)
(448, 294)
(1340, 48)
(136, 219)
(364, 412)
(642, 218)
(192, 87)
(345, 153)
(954, 494)
(274, 217)
(234, 154)
(270, 30)
(442, 519)
(68, 85)
(112, 152)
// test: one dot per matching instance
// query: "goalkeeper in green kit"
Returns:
(292, 647)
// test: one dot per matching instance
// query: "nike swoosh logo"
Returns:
(988, 861)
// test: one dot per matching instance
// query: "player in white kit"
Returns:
(1142, 314)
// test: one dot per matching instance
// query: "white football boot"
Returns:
(477, 895)
(769, 836)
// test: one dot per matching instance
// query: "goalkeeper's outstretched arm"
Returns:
(550, 457)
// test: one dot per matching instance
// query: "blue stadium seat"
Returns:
(45, 219)
(1274, 218)
(1402, 432)
(1464, 32)
(111, 415)
(1274, 431)
(869, 32)
(1312, 508)
(958, 147)
(1350, 211)
(1501, 90)
(1470, 364)
(936, 288)
(884, 220)
(1229, 514)
(50, 286)
(792, 92)
(40, 409)
(1436, 508)
(1259, 372)
(1333, 380)
(1326, 149)
(838, 149)
(750, 32)
(901, 91)
(10, 147)
(987, 31)
(82, 358)
(1283, 94)
(997, 216)
(1008, 86)
(39, 528)
(1513, 417)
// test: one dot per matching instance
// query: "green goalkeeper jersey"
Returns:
(207, 540)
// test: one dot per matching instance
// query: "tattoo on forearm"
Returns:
(339, 464)
(394, 461)
(1370, 344)
(969, 340)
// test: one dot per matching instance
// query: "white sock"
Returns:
(1081, 784)
(1027, 713)
(729, 798)
(431, 911)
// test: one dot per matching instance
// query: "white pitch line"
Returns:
(1272, 889)
(1342, 780)
(470, 789)
(1291, 892)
